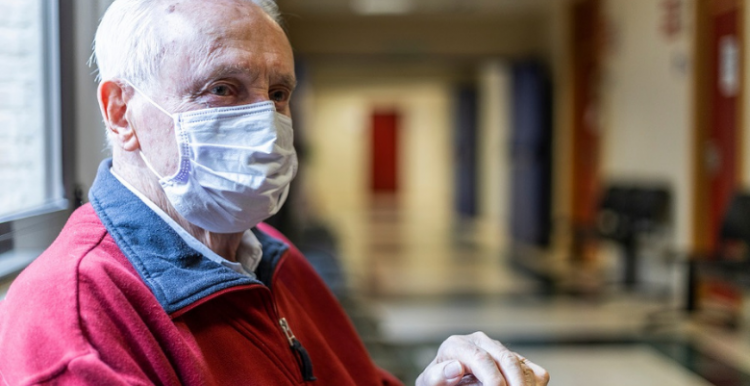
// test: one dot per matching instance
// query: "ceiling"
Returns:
(436, 29)
(413, 7)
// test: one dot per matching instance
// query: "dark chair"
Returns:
(735, 228)
(627, 212)
(731, 260)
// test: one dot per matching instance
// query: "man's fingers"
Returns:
(510, 364)
(475, 359)
(447, 373)
(541, 376)
(528, 374)
(512, 368)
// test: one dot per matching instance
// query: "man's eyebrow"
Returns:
(228, 70)
(288, 81)
(199, 81)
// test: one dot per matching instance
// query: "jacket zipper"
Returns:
(300, 353)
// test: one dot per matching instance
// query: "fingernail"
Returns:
(453, 370)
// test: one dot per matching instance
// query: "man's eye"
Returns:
(279, 96)
(220, 90)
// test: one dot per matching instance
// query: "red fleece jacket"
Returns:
(82, 315)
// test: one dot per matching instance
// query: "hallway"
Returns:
(526, 145)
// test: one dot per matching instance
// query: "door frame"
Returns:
(702, 118)
(582, 211)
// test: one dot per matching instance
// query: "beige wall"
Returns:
(646, 99)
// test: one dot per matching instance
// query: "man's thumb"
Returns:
(447, 373)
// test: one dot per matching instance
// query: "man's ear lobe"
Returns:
(113, 102)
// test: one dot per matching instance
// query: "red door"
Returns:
(718, 110)
(384, 160)
(721, 146)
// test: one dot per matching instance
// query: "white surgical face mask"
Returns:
(236, 164)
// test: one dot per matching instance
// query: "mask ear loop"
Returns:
(140, 152)
(143, 156)
(148, 165)
(144, 95)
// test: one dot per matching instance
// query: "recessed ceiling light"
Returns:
(382, 7)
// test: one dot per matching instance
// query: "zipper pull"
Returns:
(303, 358)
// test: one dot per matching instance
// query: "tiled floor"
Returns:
(416, 278)
(613, 366)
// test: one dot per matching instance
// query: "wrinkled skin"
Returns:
(478, 360)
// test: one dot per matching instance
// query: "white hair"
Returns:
(127, 45)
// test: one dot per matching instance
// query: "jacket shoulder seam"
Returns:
(81, 329)
(62, 367)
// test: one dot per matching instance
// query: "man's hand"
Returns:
(477, 359)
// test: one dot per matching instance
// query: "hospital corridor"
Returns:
(569, 177)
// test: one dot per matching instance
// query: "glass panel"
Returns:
(29, 136)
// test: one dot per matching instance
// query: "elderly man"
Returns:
(168, 276)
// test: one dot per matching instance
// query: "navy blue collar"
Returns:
(177, 274)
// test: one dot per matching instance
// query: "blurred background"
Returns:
(571, 177)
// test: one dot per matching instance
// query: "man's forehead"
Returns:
(239, 8)
(209, 18)
(200, 27)
(197, 39)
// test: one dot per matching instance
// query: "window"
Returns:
(31, 164)
(30, 153)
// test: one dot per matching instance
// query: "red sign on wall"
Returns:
(671, 20)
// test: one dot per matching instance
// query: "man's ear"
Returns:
(113, 102)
